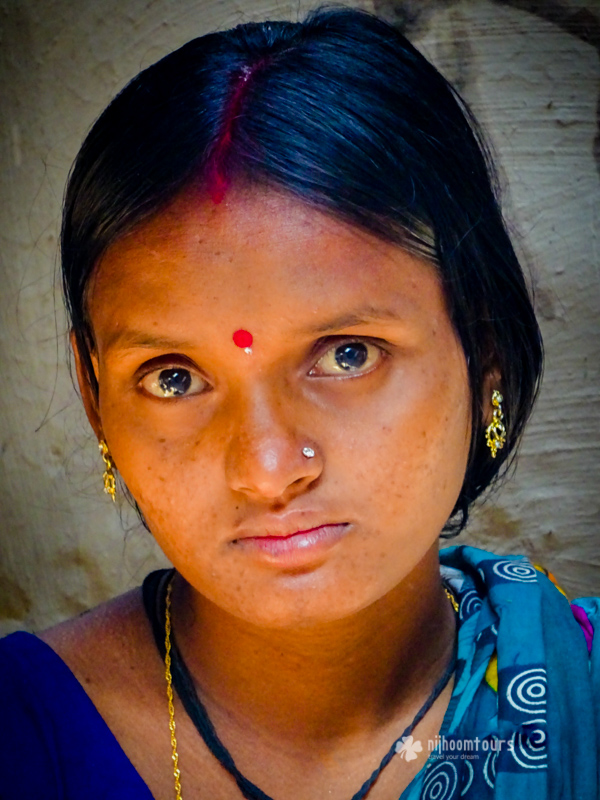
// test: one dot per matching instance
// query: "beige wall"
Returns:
(63, 547)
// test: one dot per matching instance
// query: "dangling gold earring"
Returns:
(495, 434)
(110, 483)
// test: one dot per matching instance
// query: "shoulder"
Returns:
(111, 652)
(75, 645)
(93, 653)
(106, 633)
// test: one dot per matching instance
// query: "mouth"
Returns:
(296, 548)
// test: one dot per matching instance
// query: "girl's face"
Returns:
(353, 355)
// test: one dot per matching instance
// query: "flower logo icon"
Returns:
(409, 747)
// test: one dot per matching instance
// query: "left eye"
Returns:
(347, 358)
(172, 382)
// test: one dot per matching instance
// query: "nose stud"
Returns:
(308, 452)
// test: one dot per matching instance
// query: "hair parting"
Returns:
(216, 169)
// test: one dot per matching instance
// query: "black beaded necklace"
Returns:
(155, 590)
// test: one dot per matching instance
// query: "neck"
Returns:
(326, 681)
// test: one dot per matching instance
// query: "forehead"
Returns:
(258, 253)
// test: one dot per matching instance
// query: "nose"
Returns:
(265, 458)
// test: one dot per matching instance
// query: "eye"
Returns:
(348, 358)
(172, 382)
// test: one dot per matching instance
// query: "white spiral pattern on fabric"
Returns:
(469, 604)
(441, 782)
(527, 691)
(519, 571)
(529, 748)
(471, 776)
(489, 768)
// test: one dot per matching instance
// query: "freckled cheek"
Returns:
(413, 445)
(388, 435)
(170, 479)
(171, 461)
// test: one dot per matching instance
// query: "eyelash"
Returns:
(320, 351)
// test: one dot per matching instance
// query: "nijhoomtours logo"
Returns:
(408, 748)
(451, 747)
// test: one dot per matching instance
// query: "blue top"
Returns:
(54, 745)
(522, 723)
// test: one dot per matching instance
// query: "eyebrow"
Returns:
(129, 339)
(350, 319)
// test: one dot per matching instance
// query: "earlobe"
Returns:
(88, 393)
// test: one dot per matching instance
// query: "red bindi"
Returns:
(243, 338)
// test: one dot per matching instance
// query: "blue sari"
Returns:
(523, 722)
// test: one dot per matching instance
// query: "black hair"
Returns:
(343, 113)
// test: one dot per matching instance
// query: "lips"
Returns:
(283, 545)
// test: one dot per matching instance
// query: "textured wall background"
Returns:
(530, 70)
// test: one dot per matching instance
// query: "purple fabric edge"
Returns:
(585, 624)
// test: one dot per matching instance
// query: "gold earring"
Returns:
(495, 434)
(110, 483)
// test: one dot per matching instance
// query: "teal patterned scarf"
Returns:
(524, 719)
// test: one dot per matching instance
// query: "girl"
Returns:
(304, 340)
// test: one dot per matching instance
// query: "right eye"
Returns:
(173, 382)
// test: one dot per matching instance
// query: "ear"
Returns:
(88, 395)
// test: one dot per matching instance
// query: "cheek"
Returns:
(163, 469)
(412, 447)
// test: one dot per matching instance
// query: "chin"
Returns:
(300, 600)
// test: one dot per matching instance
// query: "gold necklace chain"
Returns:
(174, 754)
(168, 676)
(452, 598)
